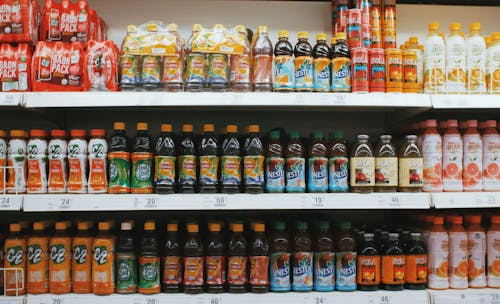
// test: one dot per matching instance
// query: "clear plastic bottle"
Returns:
(455, 61)
(453, 150)
(434, 61)
(493, 252)
(218, 66)
(262, 54)
(438, 255)
(458, 264)
(410, 166)
(386, 165)
(413, 46)
(239, 80)
(493, 77)
(491, 157)
(432, 151)
(362, 166)
(476, 60)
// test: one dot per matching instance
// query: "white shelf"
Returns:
(13, 300)
(10, 99)
(113, 202)
(448, 200)
(467, 296)
(11, 202)
(465, 101)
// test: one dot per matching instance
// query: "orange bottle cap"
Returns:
(341, 36)
(118, 125)
(58, 133)
(253, 128)
(259, 227)
(429, 218)
(495, 36)
(232, 129)
(187, 128)
(491, 124)
(103, 226)
(166, 128)
(237, 228)
(172, 227)
(452, 123)
(434, 26)
(142, 126)
(17, 133)
(457, 220)
(14, 227)
(37, 133)
(471, 123)
(413, 40)
(83, 225)
(77, 133)
(97, 132)
(495, 219)
(455, 26)
(475, 26)
(193, 228)
(473, 219)
(2, 133)
(214, 227)
(208, 128)
(38, 226)
(438, 220)
(431, 123)
(150, 225)
(61, 226)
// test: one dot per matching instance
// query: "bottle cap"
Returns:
(294, 134)
(172, 27)
(37, 133)
(495, 219)
(411, 137)
(237, 227)
(363, 137)
(17, 133)
(333, 40)
(433, 26)
(303, 35)
(214, 227)
(341, 36)
(472, 123)
(431, 123)
(259, 227)
(218, 27)
(318, 135)
(187, 128)
(197, 27)
(142, 126)
(103, 226)
(413, 40)
(38, 226)
(495, 36)
(83, 226)
(491, 124)
(345, 225)
(275, 135)
(438, 220)
(452, 123)
(416, 235)
(283, 34)
(97, 132)
(166, 128)
(126, 226)
(324, 225)
(193, 228)
(368, 236)
(321, 36)
(253, 129)
(61, 226)
(14, 227)
(58, 133)
(455, 26)
(118, 125)
(488, 40)
(149, 225)
(172, 227)
(2, 133)
(385, 137)
(262, 29)
(208, 128)
(393, 236)
(338, 134)
(77, 133)
(457, 219)
(240, 28)
(232, 129)
(473, 219)
(279, 225)
(475, 26)
(302, 225)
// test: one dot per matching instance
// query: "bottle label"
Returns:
(129, 70)
(149, 274)
(218, 69)
(98, 150)
(346, 270)
(215, 270)
(76, 177)
(172, 270)
(119, 172)
(341, 74)
(231, 170)
(476, 65)
(295, 174)
(193, 271)
(240, 69)
(410, 172)
(126, 280)
(60, 265)
(283, 73)
(491, 162)
(369, 270)
(165, 170)
(434, 66)
(321, 74)
(237, 270)
(81, 264)
(459, 269)
(253, 170)
(196, 72)
(453, 151)
(318, 174)
(386, 171)
(280, 271)
(432, 152)
(339, 174)
(37, 164)
(473, 162)
(172, 69)
(493, 254)
(37, 266)
(416, 268)
(16, 159)
(477, 259)
(324, 271)
(259, 270)
(142, 163)
(103, 266)
(275, 174)
(302, 271)
(438, 260)
(150, 72)
(262, 65)
(393, 269)
(15, 257)
(362, 171)
(209, 168)
(455, 65)
(303, 73)
(187, 169)
(57, 166)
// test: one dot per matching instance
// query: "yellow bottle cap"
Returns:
(433, 26)
(341, 36)
(413, 40)
(488, 40)
(237, 227)
(283, 34)
(166, 128)
(193, 228)
(83, 226)
(103, 226)
(321, 36)
(14, 227)
(495, 36)
(303, 35)
(150, 225)
(151, 27)
(172, 227)
(197, 27)
(218, 27)
(253, 129)
(61, 226)
(475, 26)
(240, 28)
(172, 27)
(214, 227)
(208, 128)
(259, 227)
(232, 129)
(187, 128)
(455, 26)
(38, 226)
(333, 40)
(142, 126)
(118, 125)
(262, 29)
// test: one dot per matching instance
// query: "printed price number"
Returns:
(494, 298)
(220, 202)
(317, 300)
(65, 203)
(394, 202)
(385, 300)
(5, 202)
(319, 202)
(215, 301)
(491, 199)
(151, 301)
(147, 203)
(340, 100)
(57, 301)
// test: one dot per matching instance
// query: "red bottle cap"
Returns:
(491, 124)
(97, 132)
(471, 123)
(452, 123)
(438, 220)
(431, 123)
(38, 133)
(58, 133)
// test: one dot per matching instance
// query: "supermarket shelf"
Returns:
(110, 202)
(10, 99)
(449, 200)
(462, 101)
(378, 297)
(468, 296)
(11, 202)
(13, 300)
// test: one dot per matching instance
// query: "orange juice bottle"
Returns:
(491, 157)
(453, 150)
(15, 258)
(103, 263)
(37, 266)
(81, 263)
(473, 158)
(477, 252)
(458, 265)
(60, 260)
(432, 152)
(438, 255)
(493, 252)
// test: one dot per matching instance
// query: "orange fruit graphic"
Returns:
(442, 270)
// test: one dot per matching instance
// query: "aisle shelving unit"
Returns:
(468, 296)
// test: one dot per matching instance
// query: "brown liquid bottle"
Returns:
(275, 164)
(393, 264)
(362, 166)
(368, 277)
(416, 263)
(215, 262)
(410, 166)
(259, 260)
(295, 165)
(386, 165)
(237, 275)
(193, 261)
(317, 164)
(172, 260)
(338, 163)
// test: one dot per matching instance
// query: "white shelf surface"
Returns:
(465, 101)
(449, 200)
(11, 202)
(12, 300)
(113, 202)
(11, 99)
(467, 296)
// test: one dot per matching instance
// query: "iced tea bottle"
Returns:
(215, 262)
(438, 255)
(165, 161)
(259, 260)
(262, 54)
(253, 161)
(103, 262)
(346, 257)
(368, 277)
(458, 266)
(303, 63)
(477, 252)
(15, 260)
(193, 261)
(36, 181)
(81, 264)
(119, 160)
(341, 65)
(172, 260)
(393, 264)
(324, 259)
(196, 64)
(142, 161)
(239, 79)
(37, 266)
(279, 267)
(58, 159)
(317, 164)
(187, 161)
(283, 64)
(362, 166)
(126, 260)
(302, 247)
(149, 260)
(321, 64)
(386, 165)
(237, 261)
(208, 151)
(338, 163)
(275, 164)
(230, 178)
(416, 263)
(60, 260)
(295, 164)
(410, 166)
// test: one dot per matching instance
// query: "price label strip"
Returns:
(147, 203)
(216, 202)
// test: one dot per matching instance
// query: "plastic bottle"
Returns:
(434, 61)
(149, 260)
(187, 161)
(493, 66)
(275, 164)
(77, 162)
(3, 160)
(259, 260)
(413, 46)
(262, 56)
(119, 160)
(283, 64)
(346, 258)
(98, 155)
(362, 166)
(237, 261)
(60, 260)
(324, 259)
(193, 261)
(215, 262)
(411, 166)
(126, 260)
(142, 161)
(81, 263)
(438, 255)
(165, 161)
(321, 64)
(477, 252)
(303, 63)
(368, 263)
(16, 159)
(453, 150)
(295, 164)
(196, 64)
(317, 164)
(103, 262)
(338, 163)
(279, 266)
(172, 261)
(456, 71)
(473, 158)
(15, 258)
(491, 157)
(173, 65)
(241, 65)
(393, 264)
(230, 179)
(37, 266)
(389, 24)
(341, 65)
(386, 165)
(253, 161)
(432, 152)
(36, 181)
(303, 255)
(218, 66)
(416, 263)
(57, 159)
(493, 252)
(476, 60)
(458, 254)
(208, 151)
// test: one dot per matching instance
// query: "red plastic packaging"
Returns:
(102, 33)
(58, 66)
(101, 66)
(18, 21)
(93, 25)
(15, 67)
(65, 21)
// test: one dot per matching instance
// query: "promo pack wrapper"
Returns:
(101, 66)
(15, 67)
(152, 38)
(66, 21)
(19, 21)
(218, 40)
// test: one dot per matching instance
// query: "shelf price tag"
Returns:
(217, 201)
(214, 300)
(5, 202)
(319, 202)
(148, 203)
(147, 300)
(385, 300)
(315, 300)
(494, 298)
(56, 300)
(64, 203)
